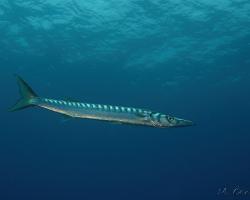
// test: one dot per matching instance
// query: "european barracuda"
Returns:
(118, 114)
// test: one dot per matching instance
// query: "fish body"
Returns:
(117, 114)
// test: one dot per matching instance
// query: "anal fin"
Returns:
(65, 117)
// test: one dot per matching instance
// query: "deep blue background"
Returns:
(42, 157)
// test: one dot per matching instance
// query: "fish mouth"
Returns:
(184, 123)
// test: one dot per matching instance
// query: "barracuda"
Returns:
(117, 114)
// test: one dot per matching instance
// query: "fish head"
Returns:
(169, 121)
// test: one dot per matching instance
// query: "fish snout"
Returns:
(184, 122)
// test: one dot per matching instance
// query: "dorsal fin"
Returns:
(71, 99)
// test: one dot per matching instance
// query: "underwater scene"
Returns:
(124, 99)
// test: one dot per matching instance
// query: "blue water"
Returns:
(187, 58)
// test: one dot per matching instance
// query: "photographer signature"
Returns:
(235, 191)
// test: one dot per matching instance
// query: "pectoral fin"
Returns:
(145, 116)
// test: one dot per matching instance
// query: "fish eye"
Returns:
(170, 118)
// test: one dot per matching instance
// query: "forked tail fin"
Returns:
(27, 95)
